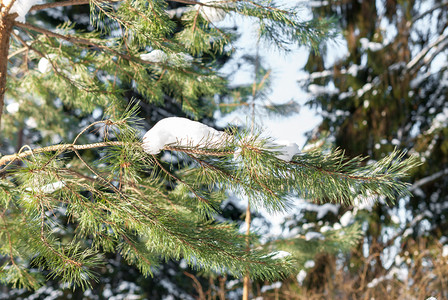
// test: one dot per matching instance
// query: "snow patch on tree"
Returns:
(346, 219)
(21, 7)
(158, 56)
(44, 65)
(12, 108)
(211, 14)
(287, 149)
(155, 56)
(280, 254)
(309, 264)
(182, 132)
(371, 46)
(301, 276)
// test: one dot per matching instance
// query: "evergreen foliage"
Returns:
(389, 91)
(65, 207)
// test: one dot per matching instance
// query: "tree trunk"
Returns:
(6, 24)
(246, 282)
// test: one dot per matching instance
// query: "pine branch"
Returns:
(67, 3)
(77, 40)
(8, 159)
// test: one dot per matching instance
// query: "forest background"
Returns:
(386, 88)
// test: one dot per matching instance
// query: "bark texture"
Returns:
(6, 24)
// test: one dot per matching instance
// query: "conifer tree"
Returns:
(118, 194)
(386, 91)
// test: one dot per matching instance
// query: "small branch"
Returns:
(425, 51)
(428, 179)
(24, 49)
(68, 38)
(88, 43)
(59, 4)
(337, 174)
(77, 40)
(63, 257)
(66, 3)
(198, 151)
(7, 159)
(197, 285)
(435, 7)
(202, 199)
(187, 2)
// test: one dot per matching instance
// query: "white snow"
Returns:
(309, 264)
(211, 14)
(371, 46)
(301, 277)
(275, 285)
(364, 202)
(445, 251)
(21, 7)
(280, 254)
(158, 56)
(366, 104)
(367, 87)
(314, 235)
(184, 58)
(408, 232)
(346, 218)
(398, 260)
(31, 123)
(155, 56)
(12, 108)
(318, 90)
(325, 228)
(184, 133)
(395, 219)
(286, 149)
(183, 264)
(400, 274)
(44, 65)
(48, 188)
(52, 187)
(321, 210)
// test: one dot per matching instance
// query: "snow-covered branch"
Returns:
(433, 8)
(441, 41)
(353, 71)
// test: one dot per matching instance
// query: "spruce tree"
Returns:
(388, 90)
(117, 193)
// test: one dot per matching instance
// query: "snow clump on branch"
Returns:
(21, 7)
(158, 56)
(211, 14)
(155, 56)
(182, 132)
(286, 148)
